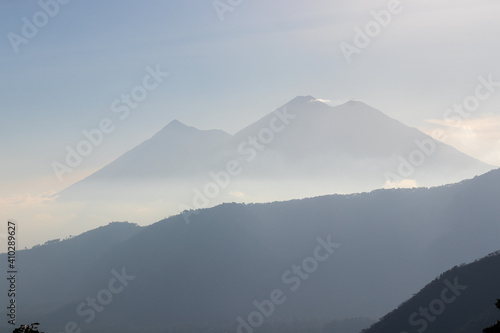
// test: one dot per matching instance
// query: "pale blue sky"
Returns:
(223, 74)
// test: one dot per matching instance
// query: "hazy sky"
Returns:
(64, 78)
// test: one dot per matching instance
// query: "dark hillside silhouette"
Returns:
(459, 300)
(495, 328)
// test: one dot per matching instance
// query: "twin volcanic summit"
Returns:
(304, 148)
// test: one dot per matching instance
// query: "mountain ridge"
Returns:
(459, 300)
(211, 270)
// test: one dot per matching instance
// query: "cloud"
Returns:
(405, 183)
(28, 200)
(333, 102)
(478, 137)
(237, 194)
(44, 216)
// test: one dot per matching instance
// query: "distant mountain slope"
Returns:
(303, 148)
(177, 150)
(209, 272)
(461, 300)
(51, 274)
(351, 144)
